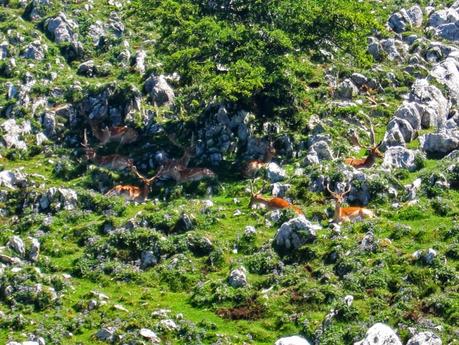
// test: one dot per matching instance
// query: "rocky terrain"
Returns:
(172, 171)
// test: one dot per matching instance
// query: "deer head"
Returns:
(145, 181)
(254, 196)
(339, 197)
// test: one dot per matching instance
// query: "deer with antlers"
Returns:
(120, 134)
(135, 193)
(114, 161)
(252, 167)
(177, 169)
(373, 151)
(276, 203)
(347, 214)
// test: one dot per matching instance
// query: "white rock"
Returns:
(149, 334)
(293, 234)
(380, 334)
(17, 244)
(294, 340)
(275, 173)
(425, 338)
(401, 157)
(238, 277)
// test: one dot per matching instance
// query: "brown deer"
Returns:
(251, 168)
(115, 161)
(373, 151)
(276, 203)
(120, 134)
(135, 193)
(347, 214)
(177, 169)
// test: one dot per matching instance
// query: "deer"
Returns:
(347, 214)
(135, 193)
(177, 169)
(114, 161)
(121, 134)
(275, 203)
(373, 151)
(252, 167)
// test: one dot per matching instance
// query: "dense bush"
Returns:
(256, 53)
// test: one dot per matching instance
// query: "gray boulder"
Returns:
(293, 234)
(401, 157)
(238, 278)
(406, 19)
(440, 143)
(35, 50)
(17, 244)
(12, 179)
(275, 173)
(159, 90)
(3, 50)
(34, 251)
(139, 61)
(294, 340)
(380, 334)
(106, 334)
(346, 90)
(59, 198)
(425, 338)
(60, 28)
(447, 73)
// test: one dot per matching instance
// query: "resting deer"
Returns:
(275, 203)
(252, 167)
(135, 193)
(115, 161)
(119, 134)
(347, 214)
(177, 169)
(373, 152)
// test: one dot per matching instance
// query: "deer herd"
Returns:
(179, 171)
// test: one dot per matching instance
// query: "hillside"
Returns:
(229, 172)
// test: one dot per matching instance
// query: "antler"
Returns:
(85, 139)
(354, 138)
(133, 168)
(347, 191)
(173, 139)
(329, 190)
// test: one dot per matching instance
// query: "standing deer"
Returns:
(120, 134)
(275, 203)
(347, 214)
(135, 193)
(115, 161)
(373, 151)
(251, 168)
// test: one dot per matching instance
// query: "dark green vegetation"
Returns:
(275, 53)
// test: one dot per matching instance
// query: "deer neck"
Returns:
(337, 215)
(260, 200)
(370, 160)
(144, 191)
(268, 157)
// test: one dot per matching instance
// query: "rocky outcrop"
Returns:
(406, 19)
(426, 107)
(401, 157)
(61, 29)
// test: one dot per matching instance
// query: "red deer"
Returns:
(347, 214)
(177, 169)
(271, 203)
(373, 152)
(252, 167)
(115, 161)
(135, 193)
(120, 134)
